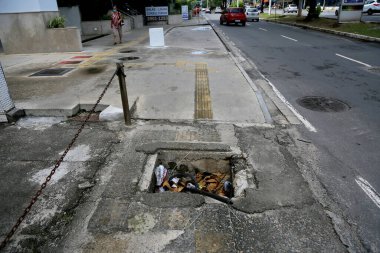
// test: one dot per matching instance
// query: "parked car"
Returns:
(291, 8)
(371, 6)
(208, 10)
(218, 10)
(233, 15)
(252, 14)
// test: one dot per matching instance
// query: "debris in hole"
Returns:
(215, 183)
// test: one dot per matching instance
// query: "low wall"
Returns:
(103, 27)
(175, 19)
(28, 33)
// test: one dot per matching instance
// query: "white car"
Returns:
(252, 14)
(218, 10)
(371, 6)
(291, 8)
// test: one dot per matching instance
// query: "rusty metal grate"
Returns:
(52, 72)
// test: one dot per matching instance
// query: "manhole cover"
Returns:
(126, 51)
(199, 52)
(52, 72)
(375, 70)
(201, 29)
(323, 104)
(130, 58)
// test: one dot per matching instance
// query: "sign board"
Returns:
(350, 11)
(156, 11)
(185, 12)
(156, 37)
(154, 14)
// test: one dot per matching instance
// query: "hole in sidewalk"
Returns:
(323, 104)
(129, 58)
(209, 174)
(82, 115)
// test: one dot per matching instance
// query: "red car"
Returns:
(233, 15)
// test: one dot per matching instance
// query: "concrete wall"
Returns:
(27, 33)
(20, 6)
(72, 16)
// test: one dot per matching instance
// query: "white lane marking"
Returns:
(306, 123)
(263, 29)
(289, 38)
(369, 190)
(362, 63)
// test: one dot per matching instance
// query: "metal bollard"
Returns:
(123, 93)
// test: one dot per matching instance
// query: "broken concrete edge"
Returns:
(154, 147)
(70, 112)
(345, 34)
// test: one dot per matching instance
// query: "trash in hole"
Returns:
(205, 176)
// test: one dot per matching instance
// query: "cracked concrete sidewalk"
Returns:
(96, 202)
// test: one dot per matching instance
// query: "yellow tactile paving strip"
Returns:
(203, 107)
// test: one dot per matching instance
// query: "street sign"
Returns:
(185, 12)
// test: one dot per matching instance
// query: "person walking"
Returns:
(116, 26)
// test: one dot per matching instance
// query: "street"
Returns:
(301, 63)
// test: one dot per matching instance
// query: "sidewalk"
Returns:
(194, 107)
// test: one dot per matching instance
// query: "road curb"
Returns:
(345, 34)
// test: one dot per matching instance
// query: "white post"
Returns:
(270, 7)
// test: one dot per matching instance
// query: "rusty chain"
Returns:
(56, 166)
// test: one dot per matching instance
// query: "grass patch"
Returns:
(368, 29)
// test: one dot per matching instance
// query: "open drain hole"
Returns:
(323, 104)
(210, 174)
(129, 58)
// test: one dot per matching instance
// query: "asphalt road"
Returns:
(303, 63)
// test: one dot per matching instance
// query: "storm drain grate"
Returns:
(52, 72)
(129, 58)
(127, 51)
(323, 104)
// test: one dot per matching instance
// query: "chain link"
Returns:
(56, 166)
